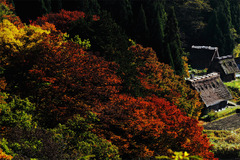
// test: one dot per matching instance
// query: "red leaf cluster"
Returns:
(148, 126)
(160, 79)
(67, 75)
(63, 19)
(65, 80)
(10, 16)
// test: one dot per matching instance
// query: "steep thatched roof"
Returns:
(226, 64)
(211, 89)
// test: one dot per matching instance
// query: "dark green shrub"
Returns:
(81, 142)
(226, 144)
(37, 143)
(16, 112)
(212, 115)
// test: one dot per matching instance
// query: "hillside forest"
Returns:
(98, 79)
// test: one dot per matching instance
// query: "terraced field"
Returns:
(229, 123)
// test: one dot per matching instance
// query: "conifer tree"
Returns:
(87, 6)
(46, 6)
(225, 26)
(124, 9)
(221, 35)
(173, 50)
(156, 17)
(121, 11)
(214, 34)
(235, 15)
(141, 28)
(56, 5)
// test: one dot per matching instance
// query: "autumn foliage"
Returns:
(7, 12)
(160, 79)
(67, 75)
(146, 126)
(63, 19)
(4, 156)
(62, 79)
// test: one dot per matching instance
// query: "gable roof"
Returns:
(211, 88)
(226, 63)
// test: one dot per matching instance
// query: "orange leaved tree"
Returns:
(62, 20)
(160, 79)
(143, 127)
(67, 80)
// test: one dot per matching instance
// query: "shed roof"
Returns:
(211, 89)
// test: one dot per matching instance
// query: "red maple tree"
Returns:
(160, 79)
(143, 127)
(66, 79)
(62, 20)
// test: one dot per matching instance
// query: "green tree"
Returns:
(192, 16)
(141, 28)
(29, 10)
(122, 8)
(56, 5)
(173, 50)
(225, 26)
(87, 6)
(17, 112)
(219, 31)
(81, 142)
(214, 33)
(156, 17)
(46, 6)
(235, 15)
(109, 40)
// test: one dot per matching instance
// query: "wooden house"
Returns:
(226, 66)
(212, 90)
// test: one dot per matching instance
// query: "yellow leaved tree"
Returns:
(15, 40)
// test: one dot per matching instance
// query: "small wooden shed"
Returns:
(212, 90)
(226, 66)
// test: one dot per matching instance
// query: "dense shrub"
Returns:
(4, 156)
(143, 127)
(81, 142)
(16, 112)
(34, 143)
(62, 79)
(160, 79)
(235, 92)
(61, 20)
(226, 144)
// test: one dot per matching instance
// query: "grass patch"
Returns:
(226, 144)
(234, 84)
(234, 88)
(227, 111)
(212, 115)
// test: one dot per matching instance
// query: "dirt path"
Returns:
(228, 123)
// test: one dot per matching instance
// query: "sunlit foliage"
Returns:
(7, 12)
(148, 126)
(4, 156)
(61, 20)
(81, 142)
(75, 96)
(17, 41)
(68, 78)
(160, 79)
